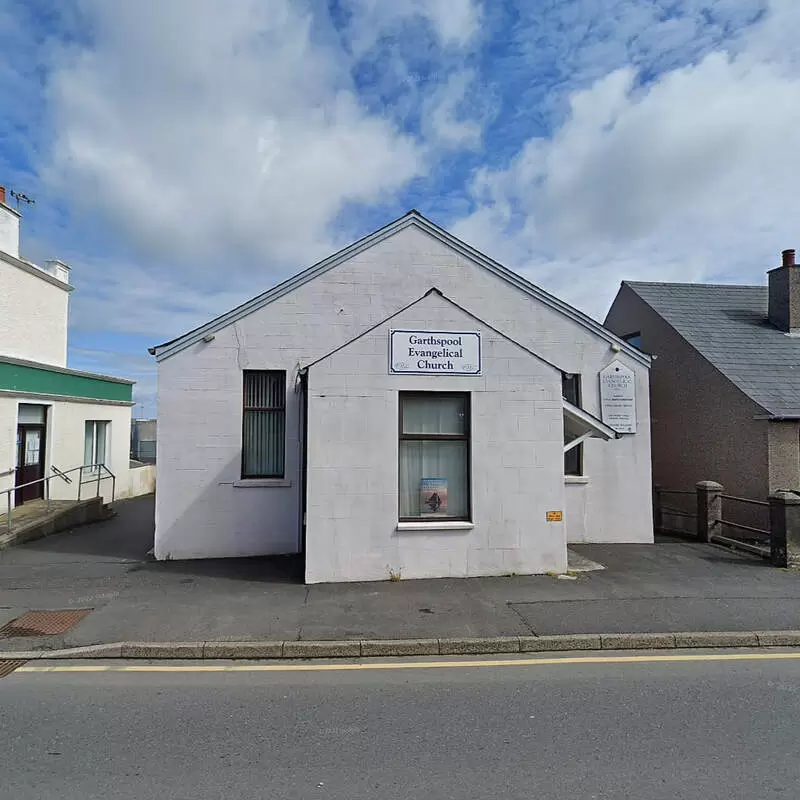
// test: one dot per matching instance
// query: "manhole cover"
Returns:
(42, 623)
(7, 667)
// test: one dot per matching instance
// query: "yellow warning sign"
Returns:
(555, 516)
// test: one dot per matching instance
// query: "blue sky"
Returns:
(188, 154)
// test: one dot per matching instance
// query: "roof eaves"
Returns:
(169, 348)
(531, 289)
(22, 362)
(34, 269)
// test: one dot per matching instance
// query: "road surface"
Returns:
(712, 728)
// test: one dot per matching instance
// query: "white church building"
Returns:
(407, 407)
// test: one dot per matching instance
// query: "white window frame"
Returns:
(94, 455)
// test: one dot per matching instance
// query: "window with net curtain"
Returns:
(434, 452)
(264, 424)
(95, 442)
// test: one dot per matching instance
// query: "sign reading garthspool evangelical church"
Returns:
(434, 352)
(618, 397)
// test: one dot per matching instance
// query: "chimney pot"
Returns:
(2, 194)
(784, 294)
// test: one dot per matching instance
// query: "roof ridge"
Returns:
(697, 285)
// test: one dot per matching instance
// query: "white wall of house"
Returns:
(9, 230)
(8, 447)
(33, 314)
(516, 463)
(203, 509)
(64, 447)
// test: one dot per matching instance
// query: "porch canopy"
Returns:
(580, 425)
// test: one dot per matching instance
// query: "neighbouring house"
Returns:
(53, 418)
(724, 384)
(406, 407)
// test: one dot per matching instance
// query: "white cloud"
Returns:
(454, 22)
(450, 115)
(202, 130)
(689, 177)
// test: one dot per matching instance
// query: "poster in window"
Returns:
(433, 497)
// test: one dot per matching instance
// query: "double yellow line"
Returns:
(383, 665)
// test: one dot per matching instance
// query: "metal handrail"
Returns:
(677, 512)
(741, 527)
(61, 474)
(745, 500)
(98, 472)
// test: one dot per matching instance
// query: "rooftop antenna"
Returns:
(22, 198)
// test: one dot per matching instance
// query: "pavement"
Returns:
(562, 729)
(671, 587)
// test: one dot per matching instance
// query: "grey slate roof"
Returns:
(728, 326)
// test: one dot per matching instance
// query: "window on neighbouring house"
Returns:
(634, 338)
(264, 424)
(434, 456)
(95, 443)
(571, 392)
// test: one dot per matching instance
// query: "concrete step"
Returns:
(37, 519)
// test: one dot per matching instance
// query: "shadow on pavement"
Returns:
(267, 569)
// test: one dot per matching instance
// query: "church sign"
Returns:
(434, 353)
(618, 397)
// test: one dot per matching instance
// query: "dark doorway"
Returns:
(30, 461)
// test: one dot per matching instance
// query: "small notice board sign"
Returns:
(618, 397)
(555, 516)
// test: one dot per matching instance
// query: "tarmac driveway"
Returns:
(665, 587)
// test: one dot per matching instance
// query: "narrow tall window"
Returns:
(264, 424)
(95, 442)
(571, 392)
(434, 456)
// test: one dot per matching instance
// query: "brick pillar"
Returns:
(784, 528)
(658, 517)
(709, 510)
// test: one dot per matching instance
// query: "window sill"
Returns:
(576, 479)
(433, 525)
(262, 483)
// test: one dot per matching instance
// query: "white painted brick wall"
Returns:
(8, 446)
(9, 231)
(199, 513)
(33, 317)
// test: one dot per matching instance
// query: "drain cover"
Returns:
(7, 667)
(42, 623)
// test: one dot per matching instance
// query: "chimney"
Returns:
(58, 269)
(784, 294)
(9, 226)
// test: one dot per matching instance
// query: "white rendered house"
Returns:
(53, 418)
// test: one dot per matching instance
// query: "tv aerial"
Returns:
(22, 198)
